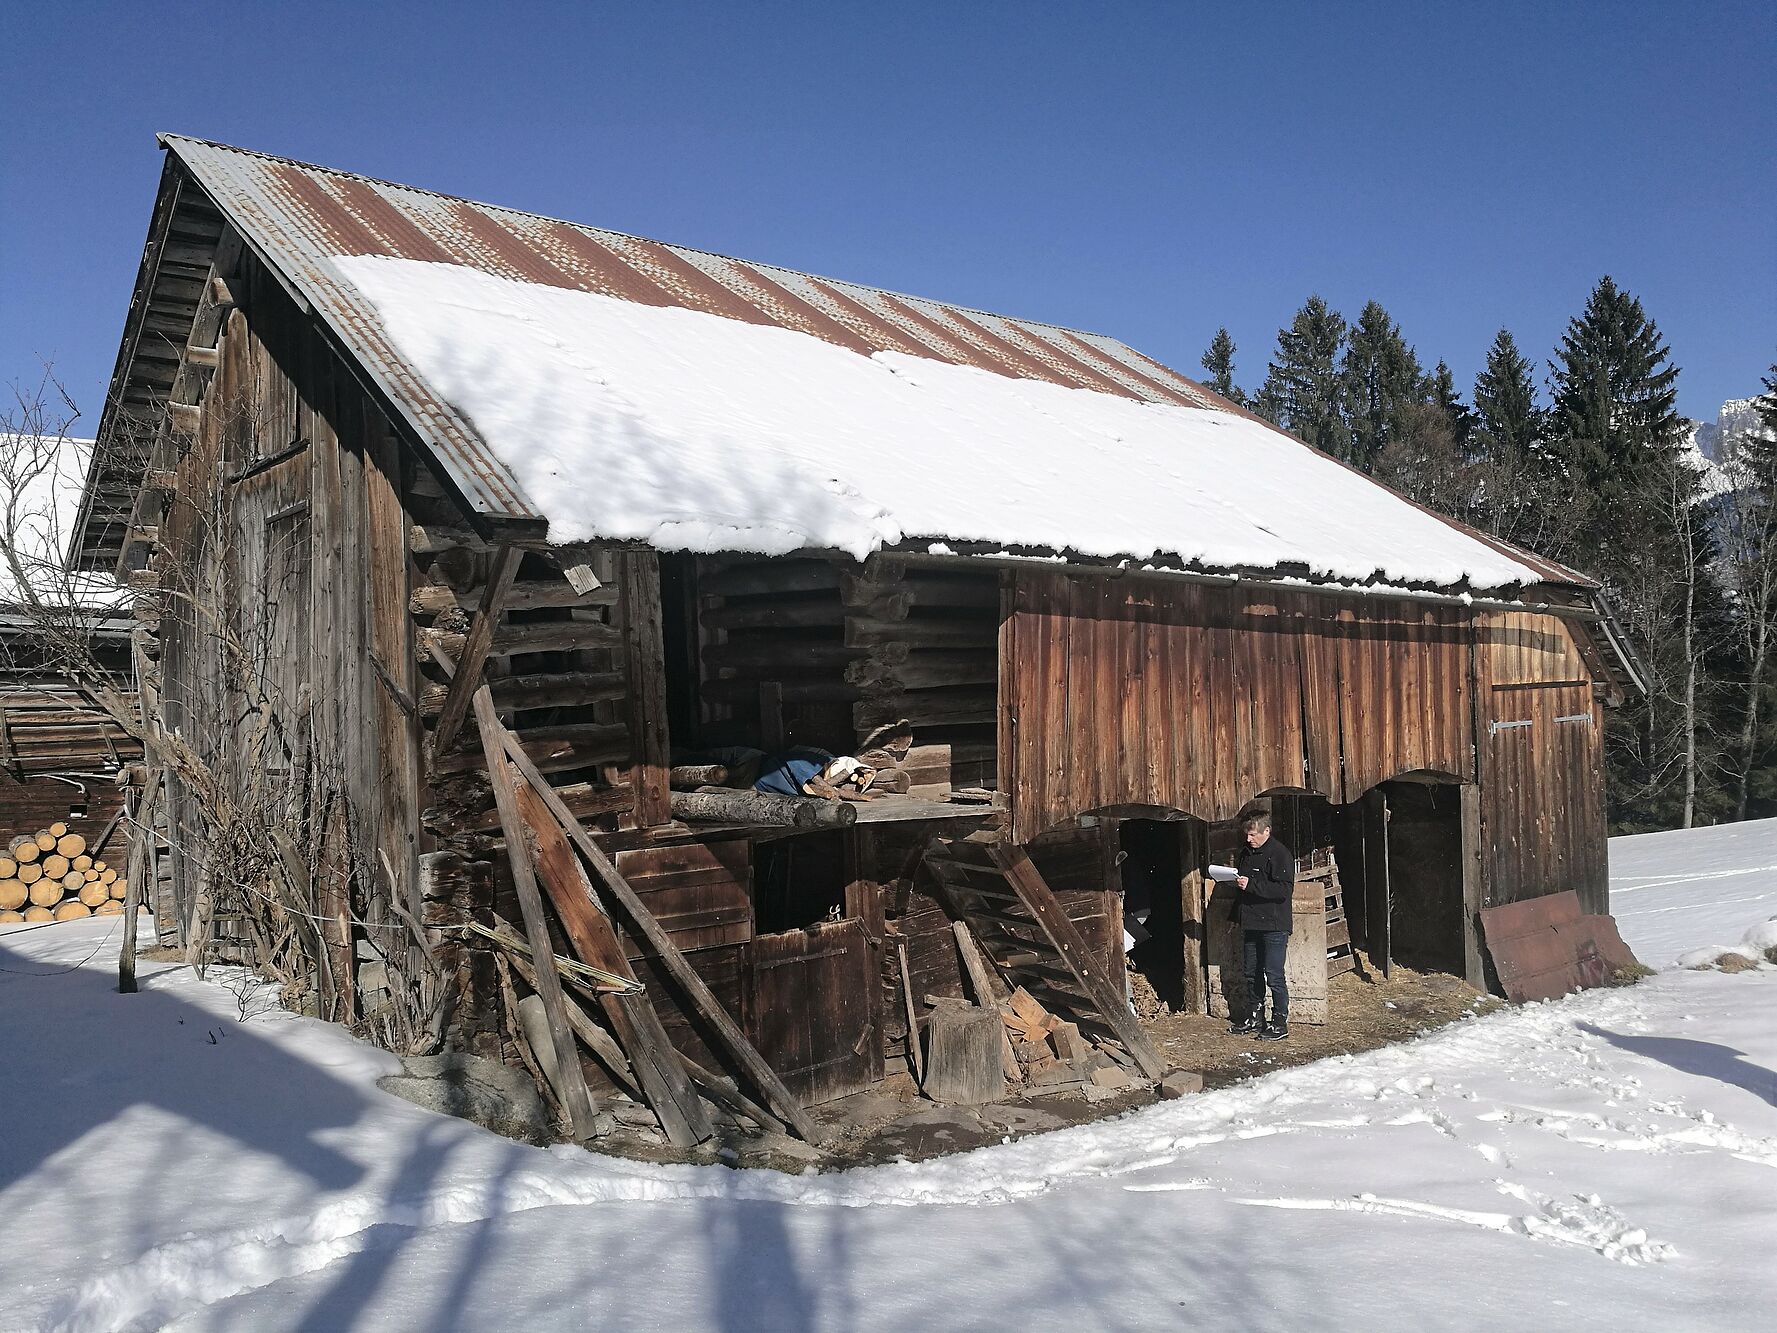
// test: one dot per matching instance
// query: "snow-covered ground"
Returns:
(1601, 1162)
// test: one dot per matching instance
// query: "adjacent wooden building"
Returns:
(268, 434)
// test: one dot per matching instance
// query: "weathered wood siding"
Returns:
(1542, 762)
(1123, 693)
(287, 509)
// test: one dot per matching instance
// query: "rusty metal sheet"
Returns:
(1543, 948)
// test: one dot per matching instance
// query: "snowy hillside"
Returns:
(1601, 1162)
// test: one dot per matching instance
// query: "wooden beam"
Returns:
(632, 1016)
(475, 649)
(643, 924)
(638, 582)
(577, 1097)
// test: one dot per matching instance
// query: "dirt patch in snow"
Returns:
(1363, 1013)
(891, 1122)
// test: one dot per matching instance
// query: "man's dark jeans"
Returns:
(1263, 952)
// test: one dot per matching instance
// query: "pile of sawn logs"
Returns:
(48, 876)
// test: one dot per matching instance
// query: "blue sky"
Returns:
(1146, 170)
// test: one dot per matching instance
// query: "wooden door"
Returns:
(809, 1007)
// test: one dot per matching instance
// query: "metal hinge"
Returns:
(1494, 728)
(1576, 717)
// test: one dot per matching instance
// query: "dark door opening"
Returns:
(1152, 873)
(1424, 868)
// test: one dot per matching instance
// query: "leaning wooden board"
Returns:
(1304, 964)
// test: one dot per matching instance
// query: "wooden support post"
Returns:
(1193, 863)
(138, 808)
(638, 583)
(475, 649)
(643, 924)
(577, 1097)
(916, 1060)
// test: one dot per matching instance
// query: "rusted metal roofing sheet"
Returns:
(299, 218)
(1543, 948)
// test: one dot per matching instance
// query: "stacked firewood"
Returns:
(48, 876)
(1052, 1054)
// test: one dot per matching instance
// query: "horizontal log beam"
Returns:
(764, 580)
(551, 749)
(915, 632)
(742, 655)
(478, 814)
(746, 691)
(757, 807)
(766, 613)
(545, 637)
(568, 689)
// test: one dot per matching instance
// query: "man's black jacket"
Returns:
(1270, 873)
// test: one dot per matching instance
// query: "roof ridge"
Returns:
(166, 137)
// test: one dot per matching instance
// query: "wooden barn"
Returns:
(523, 521)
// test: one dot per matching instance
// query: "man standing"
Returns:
(1267, 882)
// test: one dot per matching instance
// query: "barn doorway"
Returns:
(1151, 869)
(1399, 849)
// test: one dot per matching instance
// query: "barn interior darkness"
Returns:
(1399, 852)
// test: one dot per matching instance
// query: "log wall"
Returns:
(821, 651)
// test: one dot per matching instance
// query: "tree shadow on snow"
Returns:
(1703, 1059)
(82, 1057)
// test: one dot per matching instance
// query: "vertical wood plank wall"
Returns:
(1541, 734)
(1122, 693)
(1150, 692)
(289, 503)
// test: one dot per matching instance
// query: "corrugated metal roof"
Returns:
(300, 218)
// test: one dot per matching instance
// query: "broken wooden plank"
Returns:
(473, 657)
(582, 1111)
(1112, 1007)
(642, 923)
(632, 1015)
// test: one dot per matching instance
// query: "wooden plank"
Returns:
(475, 649)
(1112, 1007)
(638, 580)
(734, 1041)
(576, 1097)
(632, 1016)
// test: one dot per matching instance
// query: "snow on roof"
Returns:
(692, 431)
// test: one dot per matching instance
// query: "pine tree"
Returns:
(1441, 393)
(1219, 362)
(1507, 422)
(1614, 391)
(1302, 390)
(1521, 493)
(1379, 381)
(1640, 524)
